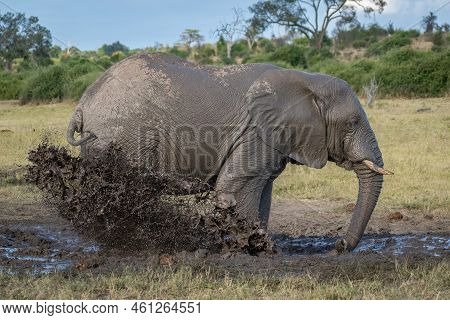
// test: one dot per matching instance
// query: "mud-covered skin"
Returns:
(238, 125)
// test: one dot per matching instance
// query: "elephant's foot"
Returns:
(225, 201)
(341, 246)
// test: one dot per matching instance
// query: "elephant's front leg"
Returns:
(243, 193)
(246, 177)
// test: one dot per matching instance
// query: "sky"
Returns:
(142, 23)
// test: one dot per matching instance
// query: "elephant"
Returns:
(236, 127)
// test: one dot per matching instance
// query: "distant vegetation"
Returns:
(404, 63)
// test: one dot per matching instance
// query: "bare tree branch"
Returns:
(228, 30)
(309, 17)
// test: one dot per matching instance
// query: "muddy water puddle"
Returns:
(396, 245)
(42, 249)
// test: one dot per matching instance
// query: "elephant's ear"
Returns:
(284, 112)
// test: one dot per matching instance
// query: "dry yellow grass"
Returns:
(22, 128)
(405, 282)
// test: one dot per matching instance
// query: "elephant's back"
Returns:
(168, 89)
(170, 83)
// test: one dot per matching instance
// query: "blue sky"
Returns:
(142, 23)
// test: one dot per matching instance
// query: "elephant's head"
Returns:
(314, 118)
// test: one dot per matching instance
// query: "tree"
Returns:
(55, 51)
(446, 27)
(252, 30)
(190, 36)
(429, 22)
(371, 92)
(228, 30)
(310, 17)
(109, 49)
(22, 37)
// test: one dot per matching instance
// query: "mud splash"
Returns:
(123, 205)
(394, 245)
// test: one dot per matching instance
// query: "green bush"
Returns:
(401, 72)
(302, 42)
(178, 52)
(240, 49)
(68, 80)
(313, 57)
(359, 44)
(79, 70)
(117, 56)
(413, 73)
(408, 33)
(291, 54)
(204, 54)
(46, 85)
(10, 85)
(266, 58)
(397, 40)
(75, 89)
(104, 62)
(356, 73)
(265, 45)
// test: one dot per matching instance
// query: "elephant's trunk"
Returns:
(370, 183)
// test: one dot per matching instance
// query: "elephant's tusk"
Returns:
(372, 166)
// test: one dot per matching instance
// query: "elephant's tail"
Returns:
(76, 125)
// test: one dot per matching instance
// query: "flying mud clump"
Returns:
(128, 207)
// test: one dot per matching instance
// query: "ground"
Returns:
(405, 253)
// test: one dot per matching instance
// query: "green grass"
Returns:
(405, 282)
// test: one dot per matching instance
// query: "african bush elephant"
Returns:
(234, 126)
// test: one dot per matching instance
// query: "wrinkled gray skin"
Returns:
(235, 126)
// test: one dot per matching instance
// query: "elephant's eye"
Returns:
(353, 121)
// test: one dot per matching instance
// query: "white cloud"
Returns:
(394, 6)
(416, 7)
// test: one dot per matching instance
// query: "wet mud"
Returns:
(389, 244)
(41, 249)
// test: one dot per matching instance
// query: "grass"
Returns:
(405, 282)
(414, 145)
(22, 128)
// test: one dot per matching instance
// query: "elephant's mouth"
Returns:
(349, 165)
(346, 164)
